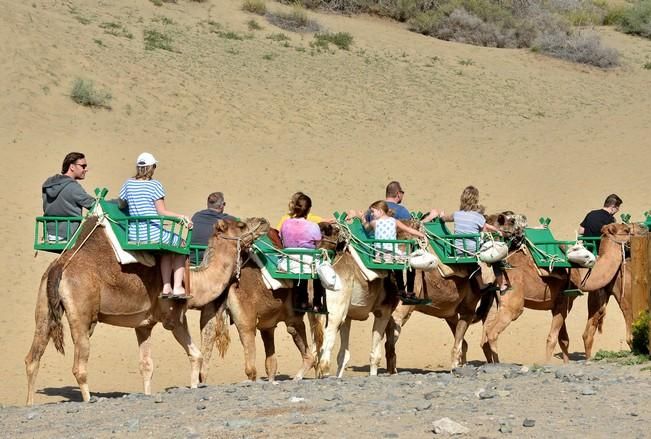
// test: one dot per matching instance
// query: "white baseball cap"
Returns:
(146, 159)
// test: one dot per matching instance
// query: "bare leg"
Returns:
(182, 335)
(146, 363)
(178, 264)
(39, 343)
(166, 272)
(207, 324)
(344, 353)
(270, 362)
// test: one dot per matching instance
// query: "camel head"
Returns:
(245, 231)
(511, 225)
(331, 237)
(622, 233)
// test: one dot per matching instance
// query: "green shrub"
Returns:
(342, 40)
(255, 6)
(641, 334)
(230, 35)
(253, 25)
(647, 65)
(155, 39)
(295, 21)
(636, 20)
(625, 358)
(278, 37)
(84, 93)
(115, 29)
(577, 47)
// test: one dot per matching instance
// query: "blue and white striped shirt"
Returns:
(141, 196)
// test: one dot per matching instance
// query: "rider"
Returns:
(596, 219)
(204, 221)
(63, 195)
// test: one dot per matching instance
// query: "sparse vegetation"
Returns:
(636, 20)
(295, 21)
(269, 56)
(155, 39)
(577, 47)
(466, 62)
(253, 25)
(232, 51)
(255, 6)
(278, 37)
(625, 358)
(166, 21)
(84, 93)
(157, 2)
(342, 40)
(640, 331)
(229, 35)
(647, 65)
(116, 29)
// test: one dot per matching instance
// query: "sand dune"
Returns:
(535, 134)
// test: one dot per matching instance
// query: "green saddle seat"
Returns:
(376, 254)
(448, 246)
(289, 263)
(545, 249)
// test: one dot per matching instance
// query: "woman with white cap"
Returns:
(146, 197)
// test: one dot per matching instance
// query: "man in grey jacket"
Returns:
(64, 196)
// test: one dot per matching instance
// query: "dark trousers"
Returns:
(300, 292)
(400, 282)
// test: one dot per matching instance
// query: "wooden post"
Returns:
(640, 254)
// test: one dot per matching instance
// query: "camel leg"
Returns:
(625, 302)
(296, 329)
(182, 335)
(559, 313)
(247, 338)
(503, 318)
(270, 362)
(146, 362)
(597, 301)
(459, 354)
(488, 322)
(39, 343)
(79, 329)
(207, 324)
(564, 340)
(344, 353)
(397, 320)
(379, 327)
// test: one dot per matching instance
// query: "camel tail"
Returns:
(485, 304)
(55, 307)
(222, 336)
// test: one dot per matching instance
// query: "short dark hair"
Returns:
(216, 200)
(393, 189)
(302, 206)
(613, 200)
(70, 159)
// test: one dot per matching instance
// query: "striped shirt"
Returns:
(141, 196)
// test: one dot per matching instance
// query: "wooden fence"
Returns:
(641, 277)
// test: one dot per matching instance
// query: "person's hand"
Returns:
(186, 220)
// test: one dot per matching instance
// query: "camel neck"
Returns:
(209, 281)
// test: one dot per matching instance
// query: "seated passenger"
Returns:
(298, 232)
(204, 222)
(469, 219)
(63, 196)
(146, 197)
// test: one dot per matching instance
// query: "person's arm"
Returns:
(405, 228)
(581, 230)
(81, 197)
(446, 218)
(490, 228)
(162, 210)
(434, 213)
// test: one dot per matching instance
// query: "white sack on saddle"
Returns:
(369, 275)
(328, 277)
(269, 281)
(423, 260)
(295, 264)
(581, 256)
(123, 256)
(493, 251)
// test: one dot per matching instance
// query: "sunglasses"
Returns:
(83, 166)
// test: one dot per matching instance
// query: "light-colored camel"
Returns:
(89, 285)
(453, 299)
(610, 276)
(251, 305)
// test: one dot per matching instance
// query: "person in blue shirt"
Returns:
(204, 222)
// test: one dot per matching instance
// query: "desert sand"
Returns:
(537, 135)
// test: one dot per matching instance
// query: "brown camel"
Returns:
(89, 286)
(251, 305)
(453, 299)
(610, 276)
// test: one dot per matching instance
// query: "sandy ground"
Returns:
(535, 134)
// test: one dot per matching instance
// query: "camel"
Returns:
(251, 305)
(610, 276)
(453, 299)
(89, 285)
(532, 291)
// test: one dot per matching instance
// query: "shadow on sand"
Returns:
(73, 394)
(574, 356)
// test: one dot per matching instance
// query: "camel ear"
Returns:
(221, 226)
(326, 228)
(501, 219)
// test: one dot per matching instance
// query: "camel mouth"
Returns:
(255, 228)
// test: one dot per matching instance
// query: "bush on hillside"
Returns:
(637, 19)
(84, 93)
(255, 6)
(578, 47)
(295, 20)
(342, 40)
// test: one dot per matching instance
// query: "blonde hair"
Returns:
(144, 172)
(381, 205)
(470, 200)
(292, 203)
